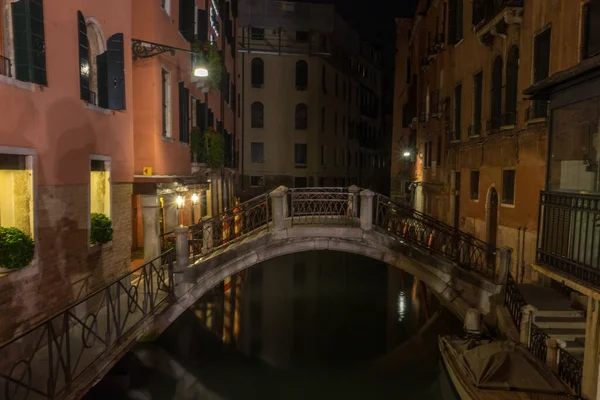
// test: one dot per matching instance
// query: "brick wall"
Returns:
(66, 268)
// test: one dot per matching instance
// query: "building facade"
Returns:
(310, 99)
(66, 149)
(175, 113)
(479, 146)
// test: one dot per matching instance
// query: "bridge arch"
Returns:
(458, 290)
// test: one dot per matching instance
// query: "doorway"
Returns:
(492, 223)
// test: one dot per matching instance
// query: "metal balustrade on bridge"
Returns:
(46, 361)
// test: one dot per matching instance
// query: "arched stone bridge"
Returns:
(62, 357)
(459, 268)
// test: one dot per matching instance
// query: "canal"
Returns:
(323, 325)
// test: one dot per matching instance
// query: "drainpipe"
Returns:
(242, 113)
(523, 255)
(517, 273)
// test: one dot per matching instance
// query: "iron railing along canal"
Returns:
(43, 362)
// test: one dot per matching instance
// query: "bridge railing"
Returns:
(322, 205)
(236, 222)
(429, 233)
(43, 362)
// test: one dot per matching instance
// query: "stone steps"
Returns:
(560, 322)
(571, 313)
(567, 335)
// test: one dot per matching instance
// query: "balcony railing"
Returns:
(485, 10)
(5, 66)
(538, 109)
(569, 235)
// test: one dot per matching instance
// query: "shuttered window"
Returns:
(591, 29)
(184, 117)
(541, 55)
(457, 112)
(301, 75)
(84, 59)
(202, 28)
(508, 186)
(29, 41)
(478, 99)
(186, 19)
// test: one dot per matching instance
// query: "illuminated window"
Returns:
(100, 190)
(16, 184)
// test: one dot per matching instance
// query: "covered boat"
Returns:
(498, 370)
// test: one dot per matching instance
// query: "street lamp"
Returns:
(194, 202)
(406, 154)
(180, 202)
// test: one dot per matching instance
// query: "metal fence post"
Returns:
(207, 235)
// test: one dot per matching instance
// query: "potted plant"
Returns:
(16, 249)
(214, 148)
(101, 229)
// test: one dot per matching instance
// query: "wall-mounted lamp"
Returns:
(406, 154)
(180, 202)
(195, 199)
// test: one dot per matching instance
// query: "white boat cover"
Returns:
(505, 365)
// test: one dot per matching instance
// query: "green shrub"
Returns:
(101, 229)
(16, 248)
(214, 148)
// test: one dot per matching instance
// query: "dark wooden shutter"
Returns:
(451, 21)
(459, 20)
(102, 71)
(116, 72)
(202, 26)
(541, 53)
(184, 107)
(211, 119)
(29, 41)
(201, 115)
(84, 59)
(219, 126)
(234, 8)
(186, 19)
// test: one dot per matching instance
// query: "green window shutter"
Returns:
(115, 72)
(186, 19)
(84, 59)
(202, 26)
(102, 68)
(29, 41)
(184, 107)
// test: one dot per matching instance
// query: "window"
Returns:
(474, 185)
(301, 116)
(408, 71)
(257, 73)
(184, 111)
(300, 182)
(335, 125)
(300, 154)
(512, 79)
(257, 34)
(541, 55)
(257, 115)
(427, 155)
(91, 46)
(166, 103)
(591, 33)
(508, 186)
(439, 151)
(257, 181)
(457, 112)
(166, 5)
(302, 36)
(322, 155)
(477, 100)
(257, 152)
(16, 183)
(100, 186)
(323, 119)
(324, 80)
(301, 75)
(187, 10)
(496, 101)
(336, 85)
(455, 21)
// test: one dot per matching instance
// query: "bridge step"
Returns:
(570, 313)
(560, 322)
(576, 347)
(568, 335)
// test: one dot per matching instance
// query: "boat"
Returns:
(486, 369)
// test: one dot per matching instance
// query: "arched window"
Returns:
(512, 79)
(257, 72)
(496, 103)
(301, 116)
(301, 75)
(257, 115)
(91, 45)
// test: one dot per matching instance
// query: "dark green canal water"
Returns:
(318, 325)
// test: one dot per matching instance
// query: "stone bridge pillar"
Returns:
(366, 209)
(150, 208)
(277, 207)
(182, 246)
(527, 317)
(353, 201)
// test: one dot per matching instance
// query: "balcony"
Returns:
(508, 119)
(537, 110)
(490, 17)
(5, 66)
(569, 235)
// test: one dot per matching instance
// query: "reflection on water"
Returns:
(315, 324)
